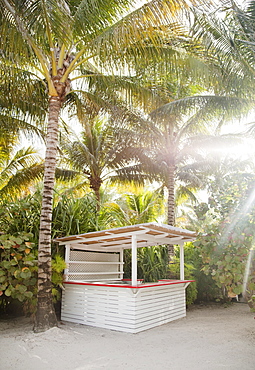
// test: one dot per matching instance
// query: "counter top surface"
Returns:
(124, 284)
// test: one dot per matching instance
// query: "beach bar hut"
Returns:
(95, 292)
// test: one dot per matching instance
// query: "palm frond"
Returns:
(18, 170)
(183, 193)
(210, 104)
(142, 26)
(93, 17)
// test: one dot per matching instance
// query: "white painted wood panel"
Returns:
(122, 308)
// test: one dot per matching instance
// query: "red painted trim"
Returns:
(131, 280)
(145, 285)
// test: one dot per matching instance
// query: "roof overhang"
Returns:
(147, 234)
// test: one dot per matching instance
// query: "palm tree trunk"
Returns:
(171, 205)
(95, 185)
(45, 316)
(171, 200)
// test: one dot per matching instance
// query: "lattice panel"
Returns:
(93, 277)
(93, 256)
(89, 266)
(86, 267)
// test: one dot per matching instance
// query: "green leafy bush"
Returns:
(58, 265)
(21, 215)
(18, 273)
(18, 268)
(226, 225)
(249, 283)
(207, 289)
(74, 215)
(174, 273)
(151, 263)
(224, 258)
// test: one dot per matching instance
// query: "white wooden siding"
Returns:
(121, 308)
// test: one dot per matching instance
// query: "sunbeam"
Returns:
(248, 270)
(250, 201)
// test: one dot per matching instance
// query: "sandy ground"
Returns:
(209, 338)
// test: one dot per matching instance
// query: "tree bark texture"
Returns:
(171, 200)
(95, 184)
(45, 316)
(171, 205)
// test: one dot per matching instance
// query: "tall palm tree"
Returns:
(165, 158)
(59, 41)
(186, 106)
(183, 126)
(171, 143)
(99, 152)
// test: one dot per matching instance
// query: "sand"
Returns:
(209, 338)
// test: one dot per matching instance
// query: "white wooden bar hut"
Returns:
(95, 292)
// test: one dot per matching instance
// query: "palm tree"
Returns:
(134, 207)
(172, 141)
(108, 138)
(165, 158)
(183, 127)
(101, 151)
(59, 41)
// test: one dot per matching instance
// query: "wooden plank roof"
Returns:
(147, 234)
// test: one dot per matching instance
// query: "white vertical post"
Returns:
(134, 260)
(67, 259)
(181, 261)
(121, 263)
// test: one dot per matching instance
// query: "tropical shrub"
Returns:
(227, 233)
(224, 261)
(174, 273)
(21, 215)
(58, 265)
(151, 263)
(206, 287)
(70, 215)
(18, 273)
(249, 280)
(131, 208)
(73, 216)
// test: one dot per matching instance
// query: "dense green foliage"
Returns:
(18, 267)
(227, 233)
(216, 261)
(151, 264)
(205, 287)
(21, 215)
(174, 273)
(18, 273)
(71, 215)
